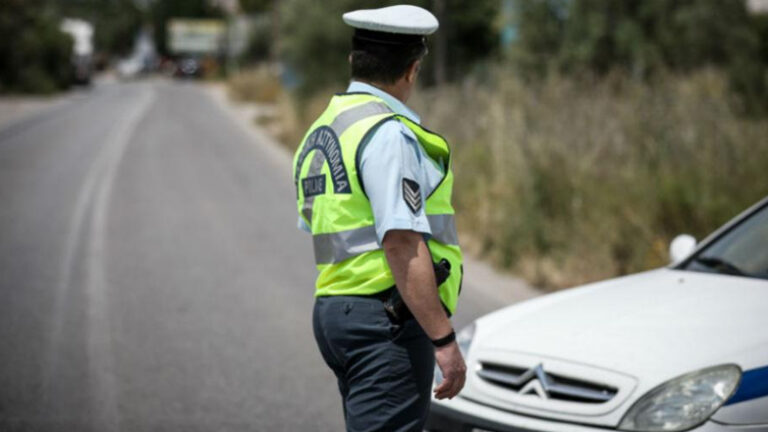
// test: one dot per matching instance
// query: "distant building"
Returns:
(82, 35)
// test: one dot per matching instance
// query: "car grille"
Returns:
(544, 384)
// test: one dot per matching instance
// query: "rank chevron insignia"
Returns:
(412, 195)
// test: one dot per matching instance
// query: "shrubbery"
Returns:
(35, 53)
(315, 41)
(605, 130)
(642, 38)
(567, 182)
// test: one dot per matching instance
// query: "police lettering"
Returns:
(313, 185)
(326, 141)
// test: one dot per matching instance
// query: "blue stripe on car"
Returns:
(754, 384)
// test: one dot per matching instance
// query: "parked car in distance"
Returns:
(188, 67)
(129, 68)
(679, 348)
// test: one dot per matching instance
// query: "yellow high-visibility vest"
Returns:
(333, 204)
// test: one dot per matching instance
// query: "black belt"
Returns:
(384, 296)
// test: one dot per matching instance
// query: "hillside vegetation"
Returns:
(586, 141)
(567, 182)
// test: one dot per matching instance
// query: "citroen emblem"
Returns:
(537, 382)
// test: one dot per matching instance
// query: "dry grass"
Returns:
(297, 115)
(260, 84)
(567, 182)
(280, 113)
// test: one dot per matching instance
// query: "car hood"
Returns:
(652, 326)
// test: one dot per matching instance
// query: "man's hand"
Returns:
(451, 364)
(411, 265)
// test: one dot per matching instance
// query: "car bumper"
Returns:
(463, 415)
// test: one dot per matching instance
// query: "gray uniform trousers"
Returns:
(384, 370)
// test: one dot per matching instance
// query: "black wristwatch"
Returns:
(445, 340)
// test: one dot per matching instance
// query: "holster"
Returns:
(395, 306)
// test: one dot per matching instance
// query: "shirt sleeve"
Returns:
(303, 225)
(395, 180)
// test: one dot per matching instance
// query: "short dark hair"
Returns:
(383, 62)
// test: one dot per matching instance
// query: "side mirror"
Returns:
(681, 246)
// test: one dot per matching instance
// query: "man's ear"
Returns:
(349, 58)
(413, 71)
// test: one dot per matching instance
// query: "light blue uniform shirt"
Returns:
(390, 155)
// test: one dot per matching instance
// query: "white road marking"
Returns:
(94, 200)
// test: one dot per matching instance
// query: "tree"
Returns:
(116, 22)
(315, 41)
(35, 53)
(256, 6)
(641, 37)
(470, 33)
(540, 30)
(636, 35)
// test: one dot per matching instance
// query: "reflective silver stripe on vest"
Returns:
(347, 118)
(443, 227)
(340, 124)
(336, 247)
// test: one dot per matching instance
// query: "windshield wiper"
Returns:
(721, 265)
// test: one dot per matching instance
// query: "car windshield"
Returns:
(742, 251)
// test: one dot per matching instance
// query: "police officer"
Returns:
(374, 190)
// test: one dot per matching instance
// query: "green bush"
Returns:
(116, 22)
(35, 53)
(315, 41)
(644, 37)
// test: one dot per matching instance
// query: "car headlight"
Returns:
(464, 340)
(683, 402)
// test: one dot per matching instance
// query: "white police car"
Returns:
(674, 349)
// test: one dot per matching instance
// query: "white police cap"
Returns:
(400, 19)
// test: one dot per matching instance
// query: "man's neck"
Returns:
(396, 90)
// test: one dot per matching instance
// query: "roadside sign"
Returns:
(196, 36)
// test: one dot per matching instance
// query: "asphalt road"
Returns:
(151, 274)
